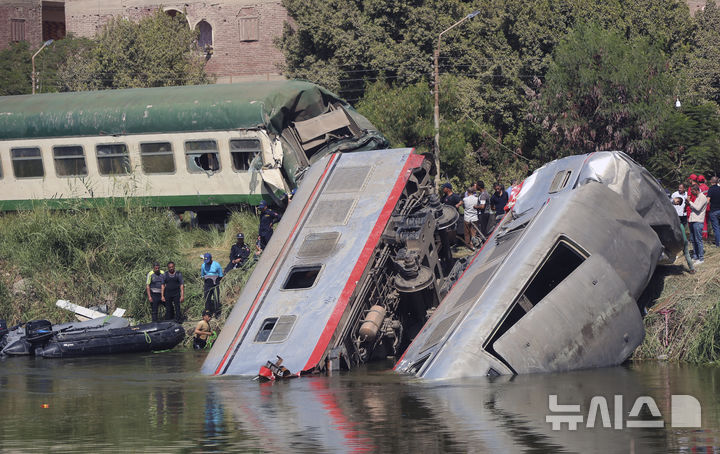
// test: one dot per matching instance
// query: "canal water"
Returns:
(160, 403)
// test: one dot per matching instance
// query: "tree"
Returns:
(605, 92)
(688, 142)
(159, 50)
(16, 66)
(15, 70)
(498, 61)
(703, 63)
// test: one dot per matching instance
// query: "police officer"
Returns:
(173, 291)
(268, 218)
(239, 253)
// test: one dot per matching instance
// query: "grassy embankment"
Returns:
(102, 255)
(692, 331)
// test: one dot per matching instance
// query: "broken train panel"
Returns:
(352, 272)
(555, 287)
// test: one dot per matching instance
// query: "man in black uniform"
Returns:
(498, 200)
(449, 197)
(173, 291)
(268, 218)
(239, 253)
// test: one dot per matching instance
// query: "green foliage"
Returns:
(688, 142)
(405, 113)
(90, 257)
(605, 92)
(16, 66)
(493, 69)
(702, 69)
(159, 50)
(15, 70)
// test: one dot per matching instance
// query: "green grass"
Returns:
(102, 255)
(692, 331)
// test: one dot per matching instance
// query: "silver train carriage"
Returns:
(555, 287)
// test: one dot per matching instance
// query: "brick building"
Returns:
(33, 21)
(237, 35)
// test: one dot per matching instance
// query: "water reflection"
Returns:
(159, 403)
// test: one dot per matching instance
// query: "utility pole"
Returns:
(436, 113)
(33, 76)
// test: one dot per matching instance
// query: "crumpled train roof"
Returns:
(271, 105)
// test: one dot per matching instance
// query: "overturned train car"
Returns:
(360, 268)
(353, 271)
(556, 286)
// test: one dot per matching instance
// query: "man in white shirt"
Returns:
(470, 217)
(680, 209)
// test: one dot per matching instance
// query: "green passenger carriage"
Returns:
(204, 147)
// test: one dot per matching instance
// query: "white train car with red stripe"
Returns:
(353, 271)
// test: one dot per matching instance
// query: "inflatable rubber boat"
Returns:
(102, 336)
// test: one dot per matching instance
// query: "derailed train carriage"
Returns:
(206, 148)
(360, 267)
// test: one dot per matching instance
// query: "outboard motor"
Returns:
(3, 333)
(38, 331)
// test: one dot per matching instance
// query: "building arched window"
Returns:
(205, 39)
(172, 12)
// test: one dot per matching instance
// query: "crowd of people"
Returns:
(481, 210)
(695, 208)
(167, 288)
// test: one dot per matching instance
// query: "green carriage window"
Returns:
(27, 162)
(202, 156)
(113, 159)
(157, 157)
(243, 151)
(70, 161)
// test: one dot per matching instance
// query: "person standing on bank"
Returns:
(714, 211)
(153, 288)
(211, 273)
(696, 220)
(268, 218)
(173, 293)
(202, 331)
(239, 253)
(470, 215)
(498, 200)
(680, 208)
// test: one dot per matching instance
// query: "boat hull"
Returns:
(133, 339)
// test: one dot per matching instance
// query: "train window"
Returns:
(69, 161)
(302, 277)
(202, 156)
(243, 151)
(157, 157)
(113, 159)
(560, 181)
(27, 162)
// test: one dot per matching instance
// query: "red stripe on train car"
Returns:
(413, 161)
(288, 241)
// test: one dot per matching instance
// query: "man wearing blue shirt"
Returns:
(211, 272)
